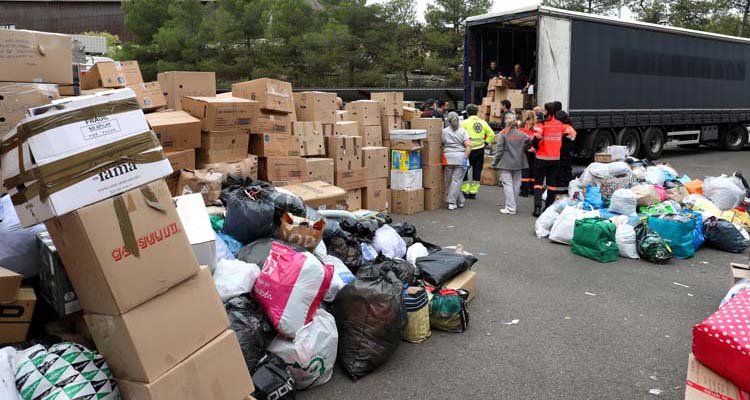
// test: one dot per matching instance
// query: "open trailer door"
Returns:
(553, 57)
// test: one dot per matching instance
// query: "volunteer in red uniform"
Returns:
(547, 163)
(529, 126)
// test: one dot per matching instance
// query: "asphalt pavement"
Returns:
(585, 330)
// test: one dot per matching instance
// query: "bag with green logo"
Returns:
(594, 238)
(448, 310)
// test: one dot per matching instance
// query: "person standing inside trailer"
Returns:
(493, 71)
(529, 126)
(481, 135)
(519, 79)
(547, 163)
(456, 151)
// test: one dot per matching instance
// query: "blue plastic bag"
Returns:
(698, 238)
(677, 230)
(232, 244)
(593, 199)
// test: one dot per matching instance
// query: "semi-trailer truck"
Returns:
(628, 83)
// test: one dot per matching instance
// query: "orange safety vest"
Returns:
(549, 145)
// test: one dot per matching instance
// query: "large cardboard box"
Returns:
(149, 95)
(704, 384)
(216, 371)
(365, 112)
(346, 128)
(432, 153)
(466, 280)
(410, 113)
(149, 340)
(344, 149)
(183, 159)
(406, 180)
(389, 123)
(320, 194)
(10, 283)
(351, 176)
(267, 145)
(433, 126)
(289, 170)
(271, 94)
(221, 113)
(224, 146)
(246, 168)
(267, 122)
(194, 218)
(391, 103)
(54, 285)
(30, 56)
(372, 135)
(407, 202)
(375, 195)
(112, 74)
(320, 169)
(311, 136)
(432, 177)
(176, 84)
(375, 161)
(409, 145)
(354, 199)
(490, 176)
(15, 317)
(16, 98)
(433, 198)
(125, 250)
(176, 130)
(514, 96)
(315, 106)
(404, 160)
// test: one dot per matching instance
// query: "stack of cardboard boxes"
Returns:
(407, 192)
(499, 89)
(16, 307)
(432, 161)
(367, 115)
(316, 120)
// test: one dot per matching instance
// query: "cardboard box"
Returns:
(98, 250)
(224, 146)
(282, 169)
(344, 149)
(320, 169)
(10, 283)
(466, 280)
(272, 123)
(194, 218)
(375, 195)
(407, 202)
(365, 112)
(403, 160)
(149, 95)
(391, 103)
(389, 123)
(176, 84)
(434, 198)
(184, 159)
(514, 96)
(320, 194)
(54, 284)
(247, 168)
(144, 343)
(15, 317)
(16, 98)
(354, 199)
(221, 113)
(216, 371)
(346, 128)
(375, 161)
(432, 153)
(207, 183)
(350, 177)
(271, 94)
(311, 137)
(315, 106)
(490, 176)
(112, 74)
(432, 177)
(406, 180)
(176, 130)
(704, 384)
(408, 145)
(30, 56)
(410, 113)
(372, 135)
(498, 83)
(341, 115)
(267, 145)
(433, 126)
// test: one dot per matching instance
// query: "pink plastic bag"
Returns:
(290, 287)
(661, 192)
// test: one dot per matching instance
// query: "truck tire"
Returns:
(653, 143)
(735, 138)
(602, 139)
(630, 138)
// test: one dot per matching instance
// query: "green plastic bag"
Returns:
(448, 310)
(658, 209)
(594, 238)
(650, 245)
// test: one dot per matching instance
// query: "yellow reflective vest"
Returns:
(479, 131)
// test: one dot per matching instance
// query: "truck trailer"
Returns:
(623, 82)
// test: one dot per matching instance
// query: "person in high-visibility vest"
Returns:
(481, 135)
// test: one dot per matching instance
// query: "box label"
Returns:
(147, 241)
(99, 127)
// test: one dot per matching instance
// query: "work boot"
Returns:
(465, 189)
(537, 211)
(474, 189)
(524, 192)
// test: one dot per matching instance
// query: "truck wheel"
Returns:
(735, 138)
(603, 138)
(653, 143)
(630, 138)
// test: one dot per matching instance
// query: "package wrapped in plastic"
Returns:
(619, 169)
(593, 199)
(655, 176)
(389, 242)
(368, 252)
(440, 267)
(272, 379)
(249, 215)
(344, 246)
(661, 192)
(726, 192)
(645, 194)
(677, 230)
(651, 246)
(737, 217)
(698, 238)
(342, 276)
(404, 270)
(624, 201)
(677, 193)
(738, 287)
(8, 389)
(415, 251)
(618, 153)
(253, 330)
(564, 226)
(575, 189)
(625, 239)
(723, 235)
(544, 223)
(234, 278)
(257, 252)
(639, 173)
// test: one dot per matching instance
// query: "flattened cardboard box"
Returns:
(286, 169)
(99, 257)
(247, 168)
(222, 113)
(375, 161)
(271, 94)
(176, 84)
(224, 146)
(315, 106)
(365, 112)
(10, 283)
(320, 194)
(346, 128)
(704, 384)
(267, 145)
(112, 74)
(407, 202)
(375, 195)
(16, 98)
(15, 317)
(149, 95)
(391, 103)
(144, 343)
(320, 169)
(272, 123)
(354, 199)
(176, 130)
(222, 375)
(184, 159)
(23, 61)
(433, 199)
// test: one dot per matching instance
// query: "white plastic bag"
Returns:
(575, 189)
(562, 229)
(626, 242)
(311, 356)
(618, 169)
(545, 222)
(415, 251)
(743, 284)
(618, 153)
(7, 374)
(342, 276)
(623, 202)
(727, 192)
(320, 250)
(235, 277)
(655, 176)
(388, 242)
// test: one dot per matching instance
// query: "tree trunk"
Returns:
(745, 12)
(591, 7)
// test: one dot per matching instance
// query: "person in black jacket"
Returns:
(567, 151)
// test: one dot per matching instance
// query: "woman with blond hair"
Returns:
(529, 126)
(510, 159)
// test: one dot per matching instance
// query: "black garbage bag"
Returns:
(431, 248)
(253, 330)
(407, 231)
(364, 229)
(272, 379)
(345, 247)
(369, 314)
(440, 266)
(650, 245)
(404, 271)
(721, 234)
(257, 252)
(249, 215)
(285, 203)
